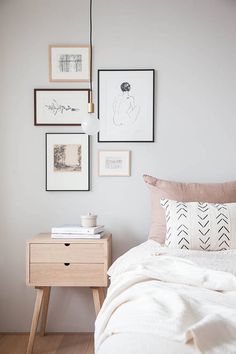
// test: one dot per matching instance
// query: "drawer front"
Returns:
(67, 252)
(42, 274)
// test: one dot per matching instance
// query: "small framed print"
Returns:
(114, 163)
(126, 105)
(69, 63)
(60, 106)
(67, 162)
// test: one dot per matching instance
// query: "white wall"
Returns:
(191, 44)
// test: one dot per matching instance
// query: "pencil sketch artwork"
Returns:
(125, 109)
(112, 163)
(70, 63)
(57, 108)
(67, 158)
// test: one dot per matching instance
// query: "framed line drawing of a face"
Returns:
(126, 105)
(67, 162)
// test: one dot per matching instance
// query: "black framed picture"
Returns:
(60, 106)
(67, 162)
(126, 105)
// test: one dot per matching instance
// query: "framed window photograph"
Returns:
(114, 163)
(69, 63)
(67, 162)
(126, 105)
(60, 106)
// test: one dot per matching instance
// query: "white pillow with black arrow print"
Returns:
(200, 226)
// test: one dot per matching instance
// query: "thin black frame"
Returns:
(49, 89)
(153, 108)
(46, 170)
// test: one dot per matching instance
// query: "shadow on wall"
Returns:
(126, 240)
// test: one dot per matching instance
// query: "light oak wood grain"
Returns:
(75, 343)
(13, 344)
(67, 262)
(98, 298)
(44, 311)
(67, 252)
(37, 309)
(55, 274)
(46, 238)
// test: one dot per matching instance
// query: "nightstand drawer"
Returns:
(67, 252)
(43, 274)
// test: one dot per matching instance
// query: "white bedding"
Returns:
(159, 299)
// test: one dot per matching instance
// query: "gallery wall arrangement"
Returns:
(125, 111)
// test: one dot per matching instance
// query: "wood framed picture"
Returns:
(60, 106)
(69, 63)
(126, 105)
(114, 163)
(67, 162)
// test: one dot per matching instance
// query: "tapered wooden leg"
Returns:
(44, 312)
(98, 298)
(37, 308)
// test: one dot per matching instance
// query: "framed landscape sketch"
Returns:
(114, 163)
(60, 106)
(67, 162)
(69, 63)
(126, 105)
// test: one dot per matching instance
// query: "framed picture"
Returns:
(126, 105)
(67, 162)
(60, 106)
(114, 163)
(69, 63)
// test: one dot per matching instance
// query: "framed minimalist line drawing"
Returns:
(67, 162)
(60, 106)
(114, 163)
(126, 105)
(69, 63)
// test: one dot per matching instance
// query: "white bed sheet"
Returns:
(148, 343)
(144, 343)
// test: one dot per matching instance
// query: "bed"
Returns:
(176, 292)
(185, 297)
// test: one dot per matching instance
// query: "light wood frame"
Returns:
(50, 48)
(128, 174)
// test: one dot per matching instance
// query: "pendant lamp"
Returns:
(90, 124)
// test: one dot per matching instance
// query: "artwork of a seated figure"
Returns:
(125, 109)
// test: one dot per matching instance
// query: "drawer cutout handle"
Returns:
(67, 244)
(66, 264)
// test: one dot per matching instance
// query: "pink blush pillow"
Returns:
(185, 192)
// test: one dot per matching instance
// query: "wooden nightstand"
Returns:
(65, 262)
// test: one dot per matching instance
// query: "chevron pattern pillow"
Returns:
(200, 226)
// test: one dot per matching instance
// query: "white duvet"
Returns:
(179, 295)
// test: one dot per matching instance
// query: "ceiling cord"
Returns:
(91, 42)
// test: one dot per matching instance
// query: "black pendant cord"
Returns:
(91, 42)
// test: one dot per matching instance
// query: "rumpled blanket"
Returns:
(157, 291)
